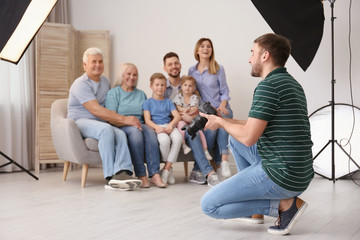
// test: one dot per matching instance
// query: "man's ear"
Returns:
(84, 65)
(266, 56)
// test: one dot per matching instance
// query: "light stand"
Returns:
(333, 141)
(18, 165)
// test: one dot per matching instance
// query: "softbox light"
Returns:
(302, 22)
(347, 124)
(20, 20)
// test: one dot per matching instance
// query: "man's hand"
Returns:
(132, 121)
(213, 121)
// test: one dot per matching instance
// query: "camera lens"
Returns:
(197, 124)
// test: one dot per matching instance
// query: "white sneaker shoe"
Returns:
(186, 148)
(164, 175)
(207, 155)
(171, 179)
(225, 169)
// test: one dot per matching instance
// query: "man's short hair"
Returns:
(92, 51)
(278, 46)
(170, 55)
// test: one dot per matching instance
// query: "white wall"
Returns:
(143, 31)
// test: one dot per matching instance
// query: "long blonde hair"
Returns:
(213, 65)
(189, 78)
(122, 70)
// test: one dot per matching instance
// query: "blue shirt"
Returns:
(160, 110)
(83, 90)
(212, 87)
(169, 89)
(126, 103)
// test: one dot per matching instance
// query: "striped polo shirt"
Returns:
(285, 145)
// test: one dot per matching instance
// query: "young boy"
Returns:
(157, 115)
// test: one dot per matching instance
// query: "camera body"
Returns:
(199, 122)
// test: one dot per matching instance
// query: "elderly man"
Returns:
(86, 107)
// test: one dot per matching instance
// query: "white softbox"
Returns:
(320, 122)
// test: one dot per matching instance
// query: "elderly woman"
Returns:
(127, 100)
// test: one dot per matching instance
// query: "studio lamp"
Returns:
(20, 20)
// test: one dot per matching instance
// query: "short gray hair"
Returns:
(92, 51)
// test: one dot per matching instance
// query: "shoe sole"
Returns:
(108, 187)
(249, 220)
(292, 222)
(197, 182)
(128, 185)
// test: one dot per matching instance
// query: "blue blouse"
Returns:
(212, 87)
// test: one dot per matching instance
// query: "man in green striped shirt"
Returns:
(272, 148)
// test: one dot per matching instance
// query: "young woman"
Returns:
(211, 83)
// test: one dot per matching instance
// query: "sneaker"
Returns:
(186, 148)
(225, 169)
(197, 177)
(287, 219)
(254, 219)
(171, 179)
(123, 181)
(213, 179)
(107, 186)
(164, 175)
(207, 155)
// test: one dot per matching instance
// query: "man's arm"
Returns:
(246, 132)
(110, 116)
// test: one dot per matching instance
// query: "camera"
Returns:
(199, 122)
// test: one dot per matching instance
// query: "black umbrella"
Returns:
(302, 22)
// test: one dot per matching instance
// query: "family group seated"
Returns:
(136, 133)
(272, 148)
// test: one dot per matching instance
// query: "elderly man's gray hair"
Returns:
(92, 51)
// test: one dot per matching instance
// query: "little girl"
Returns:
(187, 101)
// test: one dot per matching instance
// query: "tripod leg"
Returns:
(18, 165)
(348, 155)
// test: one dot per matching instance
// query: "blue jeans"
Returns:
(112, 145)
(248, 192)
(201, 161)
(220, 136)
(222, 140)
(143, 146)
(210, 136)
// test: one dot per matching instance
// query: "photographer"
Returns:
(272, 148)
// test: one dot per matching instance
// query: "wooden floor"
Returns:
(52, 209)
